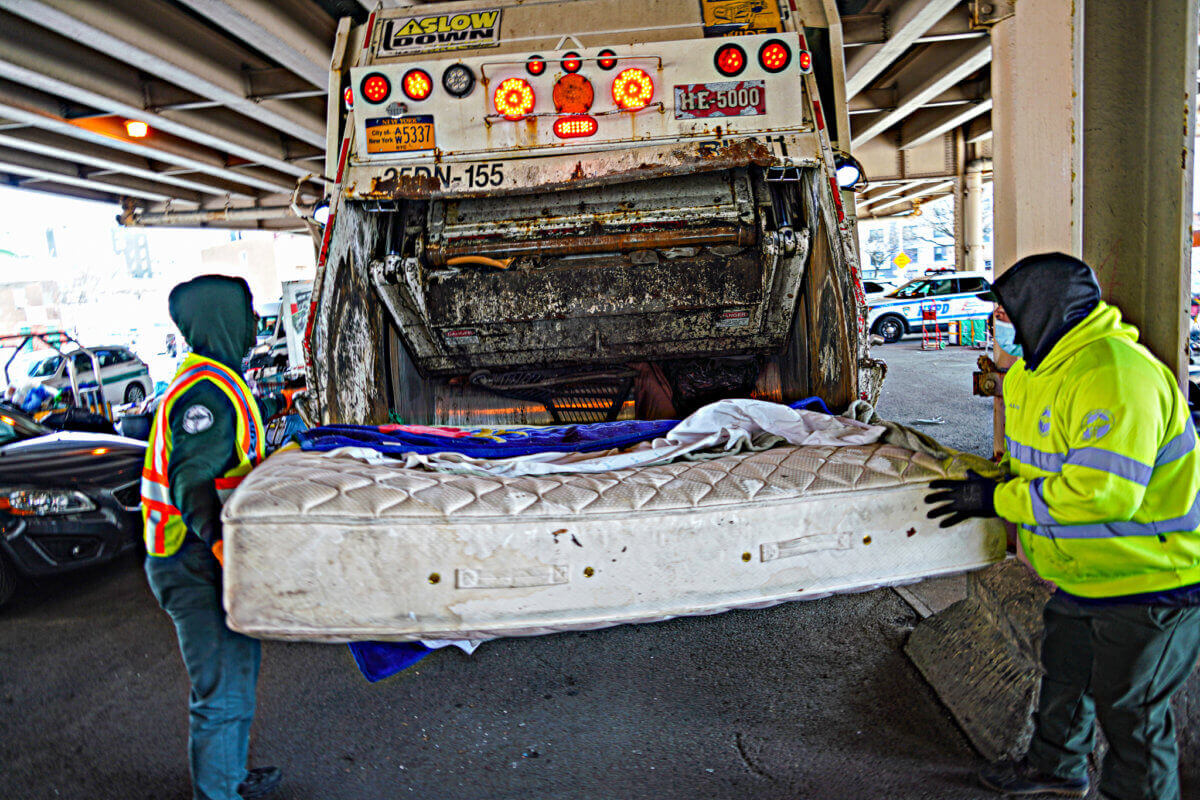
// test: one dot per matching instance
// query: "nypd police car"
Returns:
(952, 295)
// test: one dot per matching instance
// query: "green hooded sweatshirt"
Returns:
(215, 314)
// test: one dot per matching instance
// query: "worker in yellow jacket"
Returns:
(1106, 496)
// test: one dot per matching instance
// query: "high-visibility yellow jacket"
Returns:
(1107, 486)
(164, 525)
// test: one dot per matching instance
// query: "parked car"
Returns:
(952, 295)
(126, 377)
(67, 499)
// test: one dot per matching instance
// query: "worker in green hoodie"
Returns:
(206, 436)
(1106, 496)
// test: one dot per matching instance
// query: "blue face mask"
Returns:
(1006, 339)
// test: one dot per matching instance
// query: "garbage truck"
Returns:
(544, 211)
(569, 212)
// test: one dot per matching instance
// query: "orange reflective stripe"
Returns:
(228, 482)
(188, 383)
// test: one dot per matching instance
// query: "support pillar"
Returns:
(973, 217)
(1095, 121)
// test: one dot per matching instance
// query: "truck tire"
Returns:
(820, 357)
(890, 327)
(348, 331)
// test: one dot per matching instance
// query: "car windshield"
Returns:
(15, 426)
(924, 288)
(45, 367)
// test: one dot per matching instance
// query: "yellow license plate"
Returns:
(399, 134)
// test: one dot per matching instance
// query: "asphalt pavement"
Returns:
(806, 701)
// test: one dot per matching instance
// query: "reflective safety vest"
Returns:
(164, 525)
(1107, 486)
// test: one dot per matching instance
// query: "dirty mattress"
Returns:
(324, 547)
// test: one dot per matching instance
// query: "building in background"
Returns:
(901, 248)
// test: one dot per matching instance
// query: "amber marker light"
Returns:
(514, 98)
(136, 129)
(573, 94)
(417, 84)
(632, 89)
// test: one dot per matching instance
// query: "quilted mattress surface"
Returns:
(326, 547)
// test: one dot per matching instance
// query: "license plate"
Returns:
(724, 99)
(399, 134)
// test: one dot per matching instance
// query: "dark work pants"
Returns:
(1118, 664)
(221, 665)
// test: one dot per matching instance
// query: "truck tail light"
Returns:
(573, 94)
(574, 127)
(632, 89)
(607, 59)
(514, 98)
(805, 61)
(572, 62)
(730, 60)
(774, 56)
(375, 88)
(536, 65)
(417, 84)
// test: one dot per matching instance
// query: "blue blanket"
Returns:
(484, 442)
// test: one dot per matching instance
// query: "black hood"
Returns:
(215, 314)
(1045, 296)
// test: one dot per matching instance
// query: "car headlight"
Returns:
(43, 502)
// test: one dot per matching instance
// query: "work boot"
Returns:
(260, 782)
(1018, 778)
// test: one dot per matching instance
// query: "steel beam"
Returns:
(193, 58)
(871, 28)
(36, 58)
(34, 109)
(955, 62)
(14, 182)
(908, 20)
(915, 195)
(296, 34)
(38, 167)
(926, 125)
(107, 161)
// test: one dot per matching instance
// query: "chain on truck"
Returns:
(544, 210)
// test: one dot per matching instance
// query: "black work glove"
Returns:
(962, 500)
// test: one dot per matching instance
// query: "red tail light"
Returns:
(514, 98)
(805, 61)
(774, 56)
(573, 94)
(730, 60)
(375, 88)
(572, 62)
(417, 84)
(535, 65)
(574, 127)
(348, 96)
(607, 60)
(632, 89)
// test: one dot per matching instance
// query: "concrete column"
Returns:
(973, 217)
(1037, 144)
(1139, 114)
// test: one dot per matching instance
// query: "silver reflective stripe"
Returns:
(1041, 512)
(1107, 530)
(1113, 463)
(1178, 447)
(155, 491)
(1049, 462)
